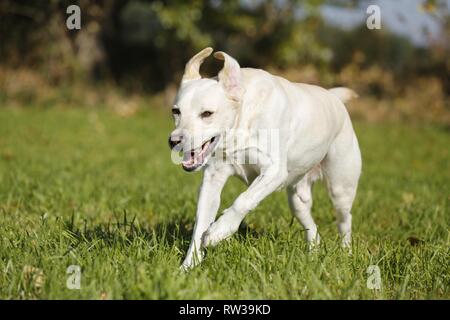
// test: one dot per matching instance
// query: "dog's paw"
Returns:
(313, 241)
(210, 238)
(185, 267)
(191, 261)
(218, 231)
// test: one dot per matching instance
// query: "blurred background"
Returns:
(85, 171)
(130, 54)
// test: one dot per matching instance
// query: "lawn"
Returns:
(93, 189)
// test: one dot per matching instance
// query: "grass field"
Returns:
(90, 188)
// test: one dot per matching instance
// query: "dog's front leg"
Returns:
(213, 182)
(267, 182)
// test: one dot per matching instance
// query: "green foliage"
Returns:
(152, 40)
(87, 187)
(144, 45)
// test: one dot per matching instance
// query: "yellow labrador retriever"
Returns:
(270, 132)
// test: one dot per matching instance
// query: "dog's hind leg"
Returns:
(300, 203)
(341, 169)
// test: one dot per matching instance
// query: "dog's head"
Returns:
(204, 108)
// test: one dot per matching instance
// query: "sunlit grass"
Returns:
(89, 188)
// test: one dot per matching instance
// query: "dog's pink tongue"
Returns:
(191, 158)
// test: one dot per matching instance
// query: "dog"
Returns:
(314, 138)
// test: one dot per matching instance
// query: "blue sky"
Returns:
(401, 16)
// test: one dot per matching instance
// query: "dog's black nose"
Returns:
(173, 141)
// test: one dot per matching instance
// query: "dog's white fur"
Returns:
(316, 139)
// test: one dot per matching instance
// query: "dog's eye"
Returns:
(176, 111)
(206, 114)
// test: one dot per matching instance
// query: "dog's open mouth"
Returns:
(196, 158)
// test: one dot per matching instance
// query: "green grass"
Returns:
(89, 188)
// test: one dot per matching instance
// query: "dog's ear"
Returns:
(230, 76)
(192, 69)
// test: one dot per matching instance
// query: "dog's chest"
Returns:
(246, 172)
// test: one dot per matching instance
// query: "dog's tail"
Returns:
(344, 94)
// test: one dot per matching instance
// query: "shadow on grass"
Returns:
(125, 233)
